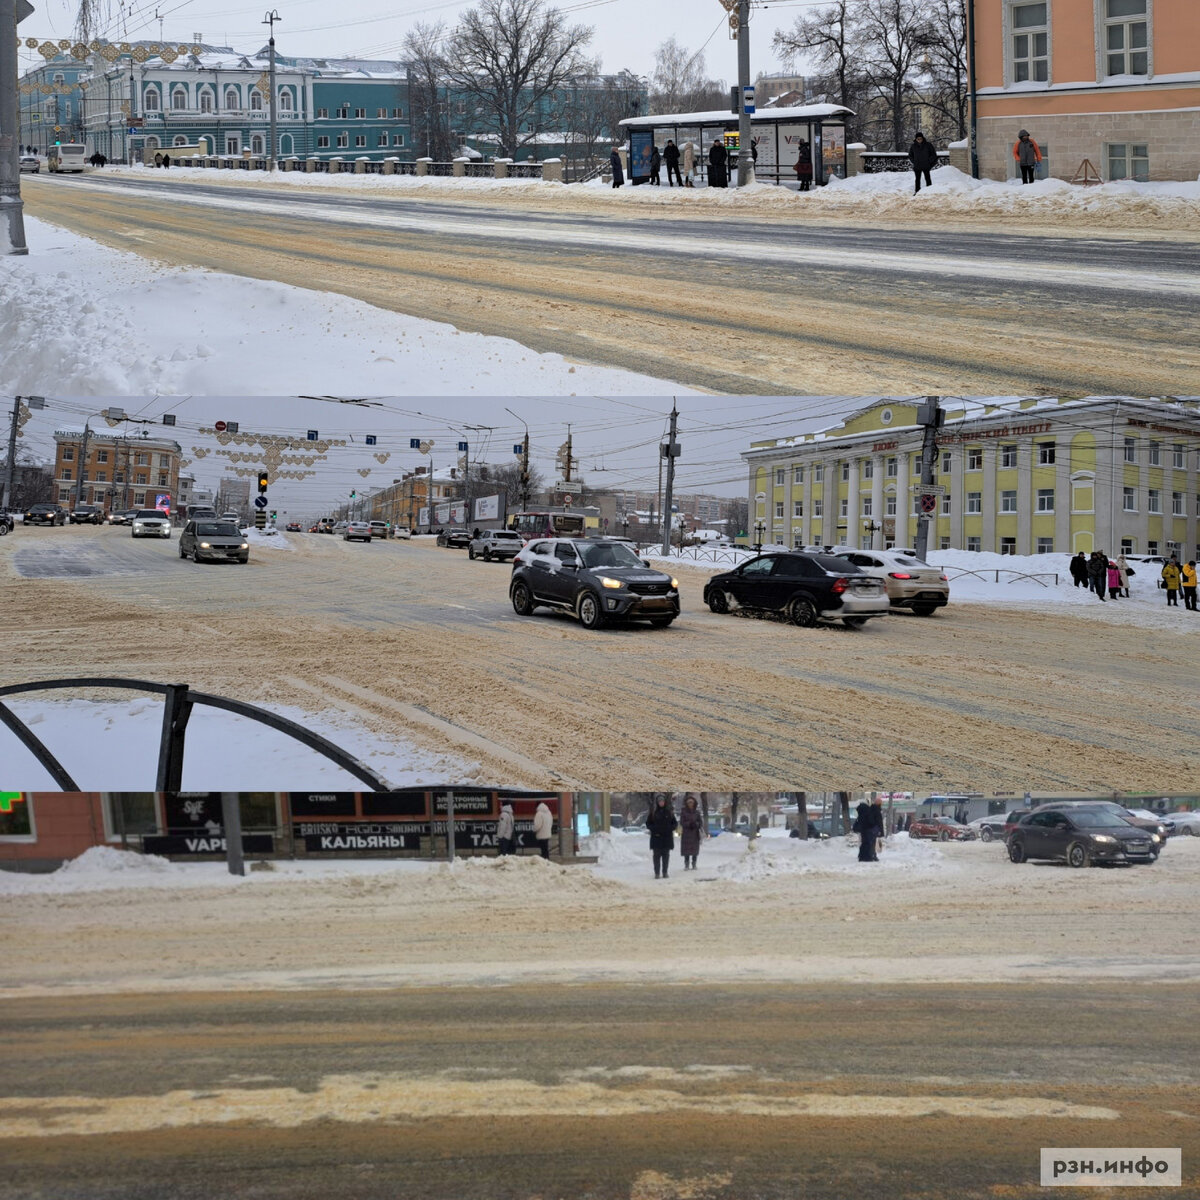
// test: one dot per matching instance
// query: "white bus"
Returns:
(67, 157)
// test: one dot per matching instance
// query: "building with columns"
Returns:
(1020, 476)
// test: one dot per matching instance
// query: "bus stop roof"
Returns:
(722, 116)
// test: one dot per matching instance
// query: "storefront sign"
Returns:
(1002, 431)
(205, 843)
(339, 836)
(322, 804)
(465, 804)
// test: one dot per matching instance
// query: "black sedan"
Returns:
(1079, 838)
(455, 536)
(807, 588)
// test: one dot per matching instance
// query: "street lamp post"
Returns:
(270, 20)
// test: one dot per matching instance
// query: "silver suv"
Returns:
(495, 543)
(150, 522)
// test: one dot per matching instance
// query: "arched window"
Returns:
(206, 101)
(180, 140)
(285, 101)
(152, 143)
(285, 144)
(178, 99)
(255, 100)
(231, 98)
(150, 100)
(256, 144)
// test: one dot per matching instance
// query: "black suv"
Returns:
(597, 580)
(45, 514)
(87, 514)
(806, 587)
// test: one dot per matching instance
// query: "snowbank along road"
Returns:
(420, 642)
(750, 304)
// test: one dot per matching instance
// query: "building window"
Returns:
(974, 543)
(845, 471)
(844, 508)
(1177, 456)
(256, 100)
(381, 114)
(798, 508)
(1156, 454)
(323, 142)
(1126, 39)
(66, 475)
(360, 114)
(179, 140)
(360, 139)
(944, 543)
(64, 495)
(178, 100)
(869, 469)
(819, 473)
(139, 499)
(322, 113)
(818, 508)
(162, 478)
(1008, 502)
(397, 114)
(68, 454)
(974, 502)
(779, 510)
(891, 467)
(1008, 457)
(206, 102)
(150, 100)
(16, 820)
(1129, 499)
(1129, 160)
(779, 477)
(975, 459)
(381, 140)
(141, 479)
(141, 459)
(945, 506)
(1127, 545)
(285, 102)
(868, 508)
(798, 475)
(947, 462)
(1152, 547)
(1045, 500)
(889, 506)
(343, 141)
(1154, 501)
(231, 98)
(1131, 449)
(1008, 545)
(1177, 505)
(102, 456)
(1030, 43)
(101, 476)
(1045, 454)
(397, 139)
(1045, 545)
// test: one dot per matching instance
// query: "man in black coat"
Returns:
(618, 174)
(864, 823)
(923, 157)
(655, 166)
(661, 823)
(716, 165)
(671, 158)
(1079, 570)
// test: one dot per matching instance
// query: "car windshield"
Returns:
(1090, 818)
(151, 514)
(836, 565)
(217, 529)
(608, 554)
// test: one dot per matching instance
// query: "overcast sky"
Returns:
(627, 32)
(614, 440)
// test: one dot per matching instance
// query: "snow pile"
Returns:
(262, 540)
(524, 877)
(245, 335)
(773, 856)
(103, 862)
(618, 849)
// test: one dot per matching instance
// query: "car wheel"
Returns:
(591, 616)
(803, 612)
(944, 835)
(4, 530)
(182, 551)
(471, 553)
(522, 600)
(985, 834)
(1016, 851)
(718, 602)
(1078, 856)
(854, 622)
(924, 610)
(487, 556)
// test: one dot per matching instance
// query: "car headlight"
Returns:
(1155, 838)
(245, 545)
(1102, 837)
(610, 583)
(205, 546)
(674, 584)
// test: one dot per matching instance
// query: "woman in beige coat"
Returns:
(689, 163)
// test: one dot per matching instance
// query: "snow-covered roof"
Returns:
(722, 116)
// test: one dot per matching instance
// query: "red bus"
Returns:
(547, 524)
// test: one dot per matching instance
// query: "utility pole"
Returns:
(270, 20)
(669, 451)
(745, 156)
(20, 414)
(82, 464)
(524, 463)
(12, 12)
(931, 416)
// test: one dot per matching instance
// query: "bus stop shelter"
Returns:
(781, 135)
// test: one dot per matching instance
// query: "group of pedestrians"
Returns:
(1178, 578)
(661, 823)
(98, 159)
(1109, 578)
(506, 829)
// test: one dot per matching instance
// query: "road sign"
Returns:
(567, 498)
(312, 435)
(260, 519)
(370, 439)
(136, 122)
(260, 502)
(219, 426)
(929, 503)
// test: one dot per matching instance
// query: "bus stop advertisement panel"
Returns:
(641, 142)
(833, 151)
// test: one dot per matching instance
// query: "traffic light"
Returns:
(262, 482)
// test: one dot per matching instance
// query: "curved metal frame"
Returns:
(179, 701)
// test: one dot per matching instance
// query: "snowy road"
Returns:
(422, 643)
(609, 1092)
(737, 304)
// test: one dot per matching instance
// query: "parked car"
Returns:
(990, 828)
(942, 829)
(806, 587)
(910, 583)
(597, 580)
(1079, 837)
(150, 522)
(454, 536)
(87, 514)
(357, 531)
(495, 543)
(1187, 824)
(45, 514)
(213, 541)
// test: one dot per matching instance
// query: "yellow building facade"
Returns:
(1116, 82)
(1019, 476)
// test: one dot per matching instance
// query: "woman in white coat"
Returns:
(543, 827)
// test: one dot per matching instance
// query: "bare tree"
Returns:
(680, 81)
(505, 481)
(428, 102)
(891, 37)
(827, 37)
(510, 57)
(945, 64)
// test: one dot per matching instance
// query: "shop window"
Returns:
(130, 814)
(16, 818)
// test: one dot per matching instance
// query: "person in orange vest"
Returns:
(1027, 154)
(1187, 577)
